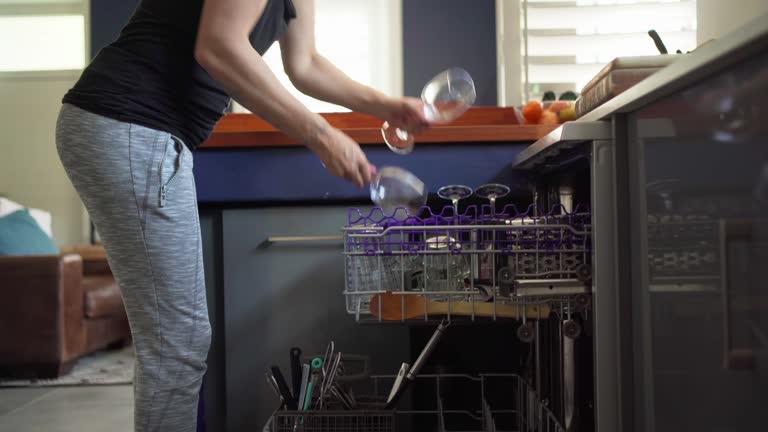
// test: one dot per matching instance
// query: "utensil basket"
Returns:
(487, 402)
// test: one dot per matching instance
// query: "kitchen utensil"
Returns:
(417, 306)
(305, 371)
(446, 97)
(331, 368)
(658, 42)
(413, 372)
(328, 357)
(296, 373)
(339, 393)
(282, 386)
(398, 381)
(394, 188)
(273, 385)
(314, 381)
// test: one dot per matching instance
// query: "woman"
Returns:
(125, 135)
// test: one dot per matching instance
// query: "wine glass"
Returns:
(457, 265)
(491, 192)
(446, 97)
(455, 193)
(394, 188)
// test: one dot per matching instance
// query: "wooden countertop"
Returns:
(479, 124)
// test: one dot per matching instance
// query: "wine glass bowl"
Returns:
(394, 188)
(455, 193)
(491, 192)
(446, 97)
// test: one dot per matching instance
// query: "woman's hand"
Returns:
(342, 156)
(404, 113)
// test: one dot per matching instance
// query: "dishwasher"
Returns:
(523, 309)
(518, 266)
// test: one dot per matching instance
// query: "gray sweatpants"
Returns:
(138, 188)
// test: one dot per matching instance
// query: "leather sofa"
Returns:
(55, 309)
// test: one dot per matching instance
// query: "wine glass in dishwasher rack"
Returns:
(455, 193)
(446, 97)
(488, 238)
(492, 192)
(448, 267)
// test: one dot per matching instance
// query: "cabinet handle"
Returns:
(303, 239)
(731, 231)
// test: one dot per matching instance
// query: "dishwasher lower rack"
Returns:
(474, 265)
(454, 403)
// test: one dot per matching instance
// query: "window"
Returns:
(566, 43)
(362, 38)
(42, 35)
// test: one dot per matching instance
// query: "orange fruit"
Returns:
(532, 112)
(558, 105)
(567, 114)
(549, 118)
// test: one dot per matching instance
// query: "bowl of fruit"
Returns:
(550, 110)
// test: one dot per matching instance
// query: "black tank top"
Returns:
(149, 75)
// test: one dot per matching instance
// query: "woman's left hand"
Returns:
(405, 113)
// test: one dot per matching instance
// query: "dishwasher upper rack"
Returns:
(479, 256)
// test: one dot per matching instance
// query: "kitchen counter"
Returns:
(479, 124)
(247, 162)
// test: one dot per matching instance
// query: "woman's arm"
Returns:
(315, 76)
(223, 49)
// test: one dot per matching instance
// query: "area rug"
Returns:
(101, 368)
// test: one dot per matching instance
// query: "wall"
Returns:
(717, 17)
(30, 171)
(107, 19)
(438, 34)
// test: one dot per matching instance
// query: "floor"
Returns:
(67, 409)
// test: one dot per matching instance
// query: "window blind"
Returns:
(566, 43)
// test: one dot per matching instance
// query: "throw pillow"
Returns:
(43, 218)
(21, 235)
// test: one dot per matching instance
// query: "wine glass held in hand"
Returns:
(446, 97)
(393, 188)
